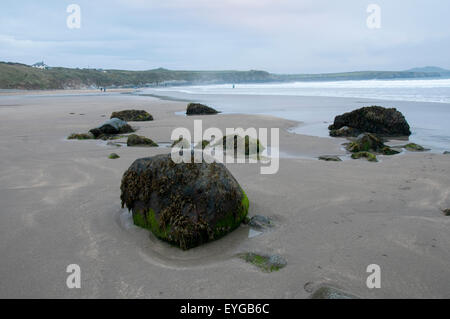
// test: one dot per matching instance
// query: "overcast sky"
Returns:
(284, 36)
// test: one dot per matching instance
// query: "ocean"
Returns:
(424, 102)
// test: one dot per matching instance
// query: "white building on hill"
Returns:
(40, 65)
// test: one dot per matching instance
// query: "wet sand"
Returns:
(60, 205)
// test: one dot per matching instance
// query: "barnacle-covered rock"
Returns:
(185, 204)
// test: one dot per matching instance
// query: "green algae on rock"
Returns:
(133, 116)
(330, 158)
(369, 156)
(413, 147)
(265, 262)
(370, 143)
(186, 204)
(366, 143)
(389, 151)
(113, 156)
(135, 140)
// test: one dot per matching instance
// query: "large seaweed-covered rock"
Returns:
(199, 109)
(133, 115)
(373, 119)
(111, 127)
(184, 204)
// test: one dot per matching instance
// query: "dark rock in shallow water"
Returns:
(327, 292)
(330, 158)
(413, 147)
(184, 204)
(111, 127)
(373, 119)
(135, 140)
(200, 109)
(267, 263)
(133, 116)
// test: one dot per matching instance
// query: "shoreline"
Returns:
(315, 113)
(61, 205)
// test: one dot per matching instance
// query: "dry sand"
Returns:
(60, 205)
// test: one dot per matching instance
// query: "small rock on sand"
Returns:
(135, 140)
(200, 109)
(133, 116)
(260, 222)
(330, 158)
(267, 263)
(113, 156)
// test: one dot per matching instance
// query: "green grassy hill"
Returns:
(21, 76)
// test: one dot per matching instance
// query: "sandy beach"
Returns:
(60, 205)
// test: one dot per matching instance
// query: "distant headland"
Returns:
(43, 77)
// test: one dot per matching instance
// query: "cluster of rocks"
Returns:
(111, 129)
(367, 127)
(108, 130)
